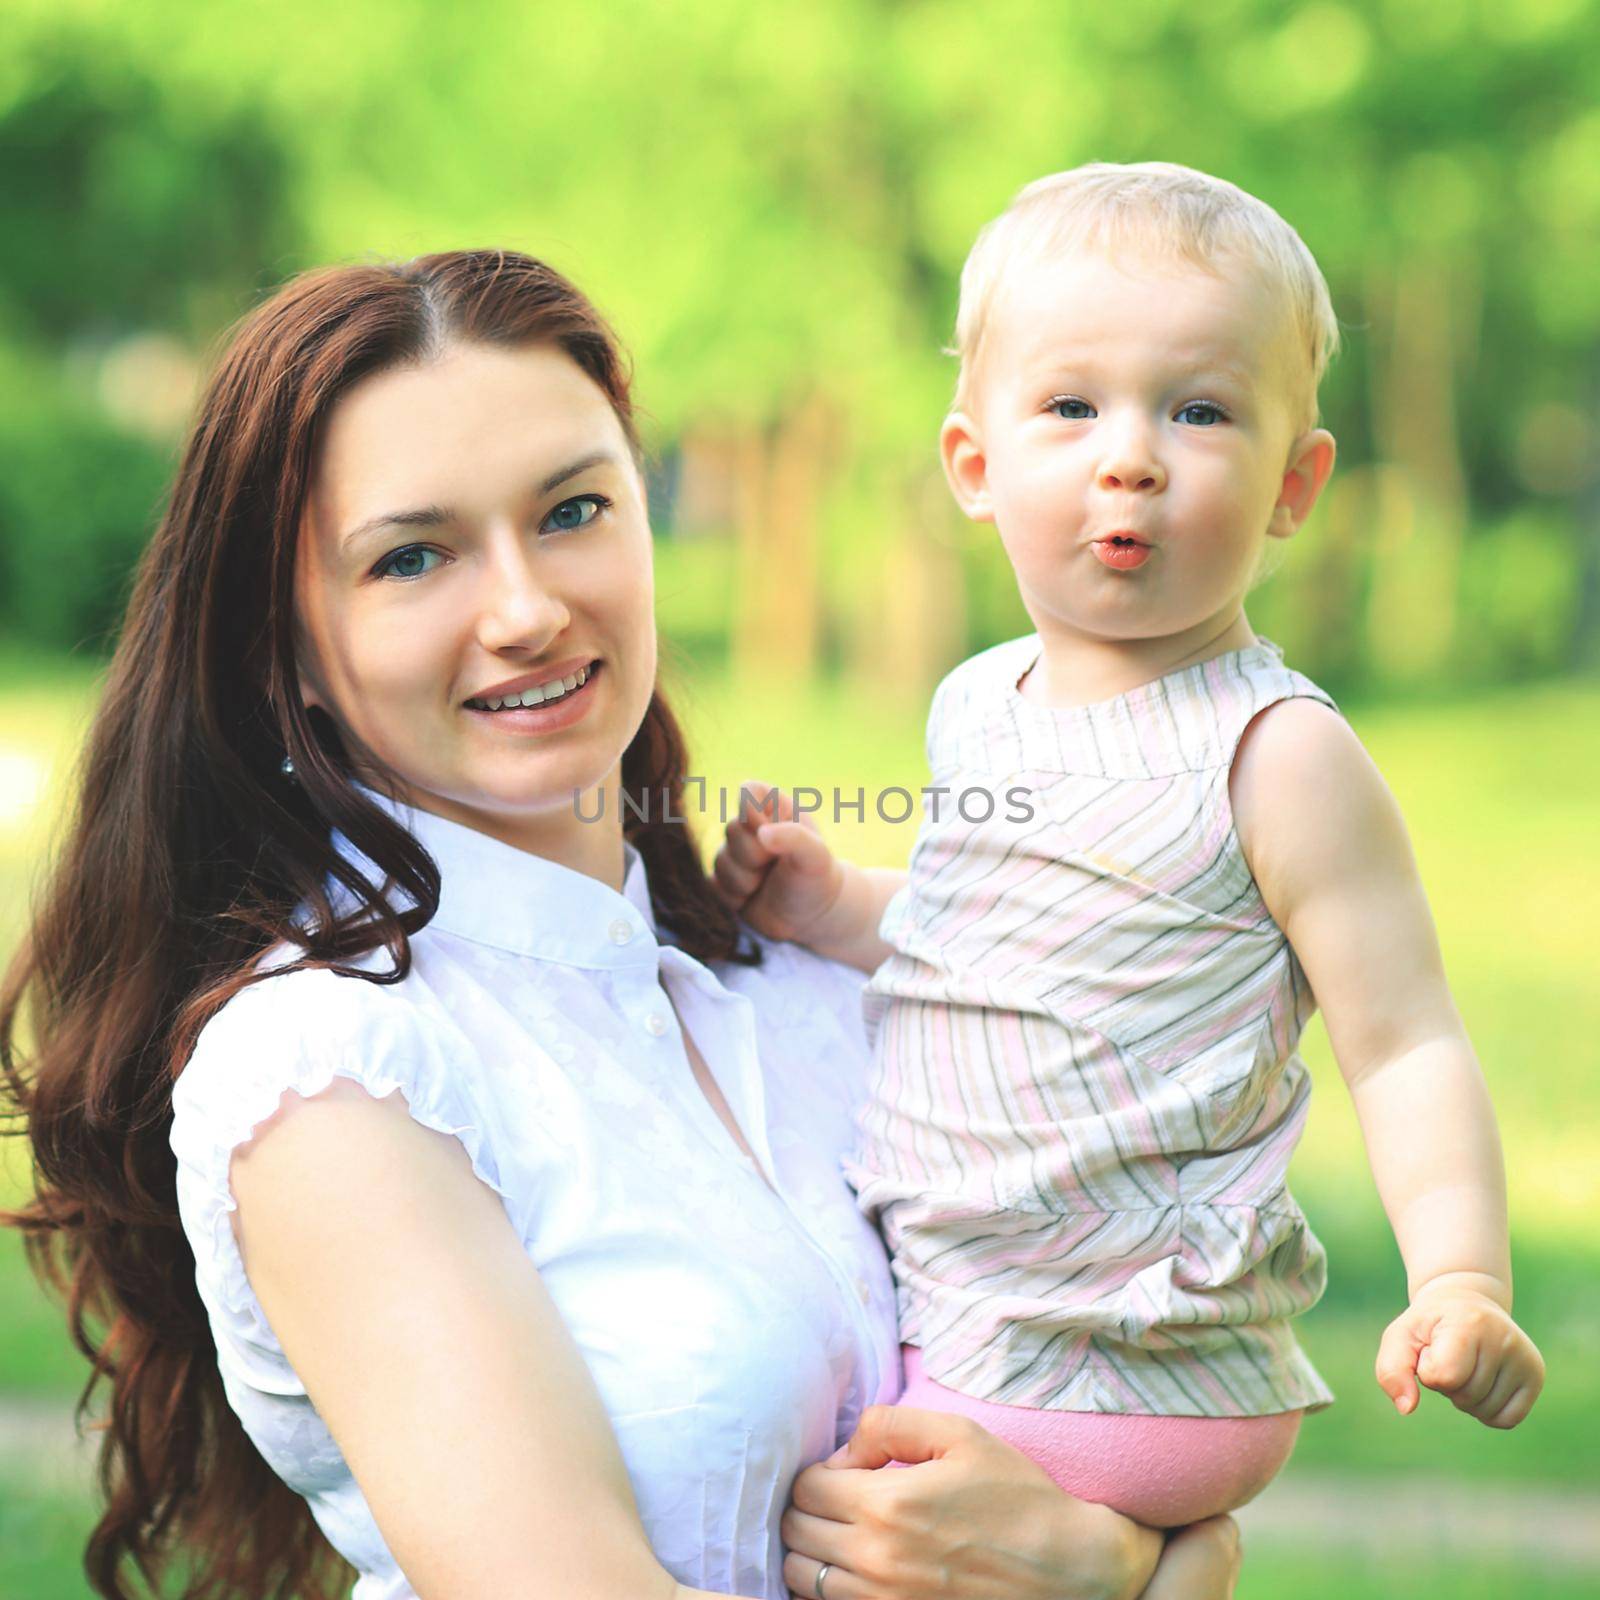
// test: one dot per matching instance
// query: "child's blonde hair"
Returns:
(1149, 206)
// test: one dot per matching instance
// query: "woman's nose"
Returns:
(517, 610)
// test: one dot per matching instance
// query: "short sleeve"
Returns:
(966, 700)
(298, 1031)
(1259, 689)
(937, 742)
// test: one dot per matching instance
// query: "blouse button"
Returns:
(864, 1291)
(655, 1023)
(621, 932)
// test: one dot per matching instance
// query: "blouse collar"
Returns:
(496, 894)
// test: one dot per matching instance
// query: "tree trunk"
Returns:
(777, 614)
(1324, 580)
(909, 622)
(1427, 310)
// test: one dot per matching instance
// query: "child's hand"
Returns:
(1464, 1345)
(778, 875)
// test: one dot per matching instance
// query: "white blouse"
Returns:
(735, 1331)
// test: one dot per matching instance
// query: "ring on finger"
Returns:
(821, 1578)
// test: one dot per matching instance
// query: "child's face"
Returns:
(1135, 435)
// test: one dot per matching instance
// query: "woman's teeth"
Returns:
(539, 694)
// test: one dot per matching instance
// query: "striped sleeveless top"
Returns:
(1086, 1090)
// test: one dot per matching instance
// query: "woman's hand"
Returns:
(975, 1518)
(1200, 1562)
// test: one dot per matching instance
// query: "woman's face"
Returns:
(476, 531)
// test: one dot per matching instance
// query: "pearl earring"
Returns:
(286, 767)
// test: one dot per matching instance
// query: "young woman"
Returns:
(438, 1172)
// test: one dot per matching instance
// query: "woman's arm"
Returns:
(430, 1347)
(974, 1518)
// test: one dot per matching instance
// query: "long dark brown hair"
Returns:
(189, 855)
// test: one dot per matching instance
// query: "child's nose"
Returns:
(1132, 471)
(1130, 460)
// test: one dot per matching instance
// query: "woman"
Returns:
(506, 1244)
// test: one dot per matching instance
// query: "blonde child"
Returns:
(1086, 1087)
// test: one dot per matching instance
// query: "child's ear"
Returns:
(966, 468)
(1310, 464)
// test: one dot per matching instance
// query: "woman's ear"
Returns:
(1310, 464)
(306, 677)
(966, 468)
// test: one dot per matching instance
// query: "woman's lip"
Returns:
(550, 716)
(561, 669)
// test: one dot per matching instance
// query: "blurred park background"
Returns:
(773, 203)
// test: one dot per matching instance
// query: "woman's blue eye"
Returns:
(1209, 415)
(408, 562)
(1071, 409)
(574, 513)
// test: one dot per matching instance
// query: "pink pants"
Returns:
(1162, 1471)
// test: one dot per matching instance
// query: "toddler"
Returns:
(1086, 1005)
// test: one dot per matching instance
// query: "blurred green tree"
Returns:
(774, 203)
(136, 224)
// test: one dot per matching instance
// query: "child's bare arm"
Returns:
(1328, 848)
(775, 870)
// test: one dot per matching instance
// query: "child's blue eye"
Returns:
(406, 562)
(1202, 414)
(1071, 409)
(574, 513)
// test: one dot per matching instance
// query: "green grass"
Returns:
(1499, 795)
(1279, 1574)
(41, 1544)
(41, 1547)
(36, 1356)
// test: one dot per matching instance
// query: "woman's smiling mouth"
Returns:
(539, 702)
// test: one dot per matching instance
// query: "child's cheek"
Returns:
(1040, 559)
(1042, 494)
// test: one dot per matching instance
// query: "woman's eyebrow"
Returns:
(439, 516)
(595, 458)
(421, 517)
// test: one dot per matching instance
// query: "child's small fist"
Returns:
(1463, 1345)
(773, 867)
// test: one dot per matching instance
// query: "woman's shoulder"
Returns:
(293, 1032)
(296, 1033)
(317, 1010)
(297, 1029)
